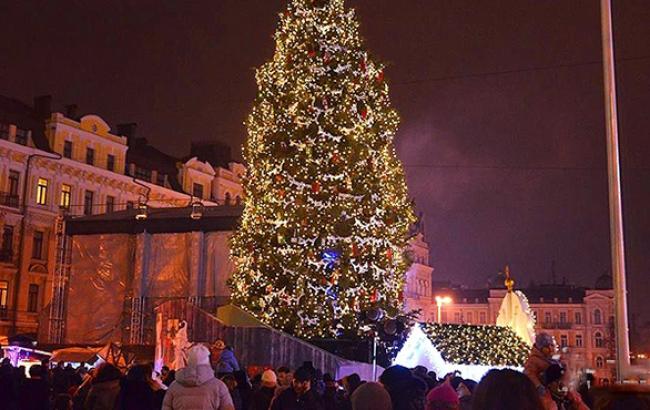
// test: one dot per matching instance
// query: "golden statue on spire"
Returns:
(509, 282)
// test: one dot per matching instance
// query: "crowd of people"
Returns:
(213, 380)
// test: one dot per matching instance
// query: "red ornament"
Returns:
(389, 254)
(380, 76)
(364, 114)
(362, 66)
(282, 193)
(355, 250)
(312, 53)
(279, 178)
(315, 187)
(374, 296)
(335, 158)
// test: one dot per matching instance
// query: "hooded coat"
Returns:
(196, 388)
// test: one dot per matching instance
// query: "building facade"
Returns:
(54, 164)
(580, 320)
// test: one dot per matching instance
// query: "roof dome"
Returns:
(604, 281)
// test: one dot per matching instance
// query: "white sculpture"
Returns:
(181, 346)
(515, 312)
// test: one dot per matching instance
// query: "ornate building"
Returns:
(54, 163)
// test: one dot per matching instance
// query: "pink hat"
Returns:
(443, 394)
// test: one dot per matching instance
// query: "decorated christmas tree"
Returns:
(326, 218)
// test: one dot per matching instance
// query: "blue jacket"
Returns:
(227, 362)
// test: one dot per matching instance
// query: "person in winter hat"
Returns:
(261, 399)
(443, 397)
(541, 357)
(371, 396)
(196, 387)
(226, 362)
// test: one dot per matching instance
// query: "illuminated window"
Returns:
(4, 292)
(66, 193)
(41, 191)
(37, 245)
(67, 149)
(32, 298)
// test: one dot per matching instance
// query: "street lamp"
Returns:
(442, 300)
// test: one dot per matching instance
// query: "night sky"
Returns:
(502, 134)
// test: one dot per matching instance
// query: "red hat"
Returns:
(443, 394)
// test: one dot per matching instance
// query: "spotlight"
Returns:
(197, 211)
(141, 212)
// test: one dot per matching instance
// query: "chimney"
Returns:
(127, 130)
(71, 111)
(43, 105)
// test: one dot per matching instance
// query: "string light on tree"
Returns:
(326, 210)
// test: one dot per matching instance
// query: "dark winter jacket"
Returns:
(103, 395)
(34, 395)
(261, 399)
(138, 395)
(289, 400)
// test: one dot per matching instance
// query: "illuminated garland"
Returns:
(477, 345)
(326, 210)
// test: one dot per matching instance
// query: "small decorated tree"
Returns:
(326, 216)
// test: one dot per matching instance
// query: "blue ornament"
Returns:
(331, 258)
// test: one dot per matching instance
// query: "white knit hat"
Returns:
(198, 355)
(269, 377)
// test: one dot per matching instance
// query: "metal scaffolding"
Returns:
(56, 322)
